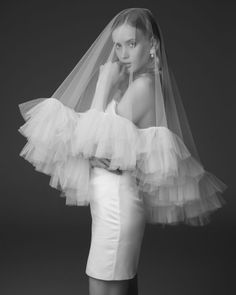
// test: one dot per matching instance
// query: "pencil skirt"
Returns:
(118, 224)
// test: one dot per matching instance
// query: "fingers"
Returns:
(110, 64)
(123, 69)
(103, 163)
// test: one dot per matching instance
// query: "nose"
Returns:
(124, 53)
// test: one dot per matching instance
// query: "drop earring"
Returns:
(152, 54)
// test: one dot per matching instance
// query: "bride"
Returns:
(115, 136)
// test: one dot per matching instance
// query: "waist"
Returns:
(117, 171)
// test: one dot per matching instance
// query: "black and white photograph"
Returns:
(118, 147)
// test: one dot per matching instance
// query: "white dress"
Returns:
(172, 186)
(118, 224)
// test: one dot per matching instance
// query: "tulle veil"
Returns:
(66, 129)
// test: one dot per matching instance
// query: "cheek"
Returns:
(141, 55)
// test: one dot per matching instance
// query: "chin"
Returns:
(131, 69)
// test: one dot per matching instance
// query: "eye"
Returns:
(117, 46)
(132, 44)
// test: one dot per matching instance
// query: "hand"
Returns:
(103, 163)
(99, 162)
(111, 72)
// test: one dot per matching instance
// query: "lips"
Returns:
(127, 64)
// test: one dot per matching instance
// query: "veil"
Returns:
(71, 126)
(77, 90)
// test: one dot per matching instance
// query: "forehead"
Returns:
(125, 32)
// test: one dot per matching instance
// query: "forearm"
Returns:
(103, 163)
(101, 94)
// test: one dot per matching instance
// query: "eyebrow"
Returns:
(132, 39)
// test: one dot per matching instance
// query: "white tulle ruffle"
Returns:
(174, 185)
(103, 135)
(49, 129)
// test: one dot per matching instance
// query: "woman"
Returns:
(115, 135)
(133, 50)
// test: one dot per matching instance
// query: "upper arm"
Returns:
(137, 100)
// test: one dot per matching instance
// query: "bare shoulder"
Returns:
(142, 83)
(139, 97)
(141, 87)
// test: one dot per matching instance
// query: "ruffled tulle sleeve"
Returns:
(49, 129)
(175, 186)
(104, 135)
(60, 143)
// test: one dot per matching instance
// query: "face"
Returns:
(131, 46)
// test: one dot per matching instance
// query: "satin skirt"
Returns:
(118, 224)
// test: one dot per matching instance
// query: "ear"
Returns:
(155, 44)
